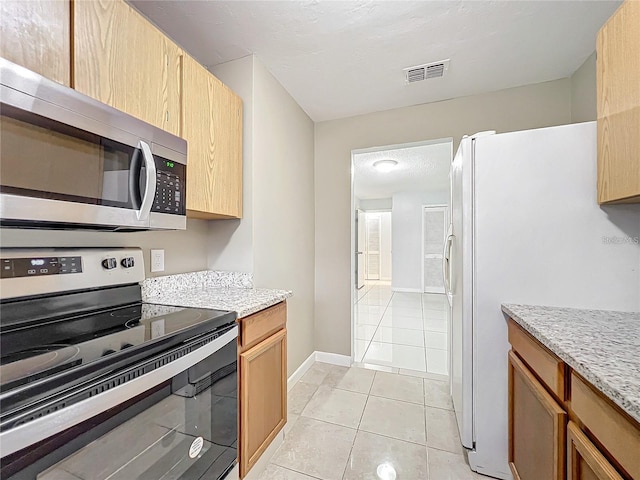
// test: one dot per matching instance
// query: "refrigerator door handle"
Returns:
(446, 262)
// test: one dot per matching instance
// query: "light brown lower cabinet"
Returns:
(599, 442)
(263, 397)
(585, 462)
(536, 427)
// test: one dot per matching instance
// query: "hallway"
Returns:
(404, 332)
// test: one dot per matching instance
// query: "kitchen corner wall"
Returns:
(521, 108)
(231, 241)
(583, 91)
(277, 223)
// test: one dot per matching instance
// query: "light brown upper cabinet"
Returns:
(618, 103)
(36, 35)
(212, 125)
(123, 60)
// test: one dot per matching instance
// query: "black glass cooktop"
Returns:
(36, 359)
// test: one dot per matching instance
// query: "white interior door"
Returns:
(373, 246)
(434, 225)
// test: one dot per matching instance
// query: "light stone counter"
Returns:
(602, 346)
(212, 289)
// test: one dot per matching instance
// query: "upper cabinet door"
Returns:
(36, 35)
(212, 124)
(124, 61)
(618, 77)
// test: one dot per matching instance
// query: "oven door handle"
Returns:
(150, 182)
(44, 427)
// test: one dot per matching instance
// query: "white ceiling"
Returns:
(420, 168)
(343, 58)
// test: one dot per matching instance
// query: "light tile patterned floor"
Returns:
(359, 424)
(406, 331)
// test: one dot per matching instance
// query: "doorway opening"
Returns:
(400, 198)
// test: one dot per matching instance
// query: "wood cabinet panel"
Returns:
(619, 435)
(263, 397)
(584, 460)
(262, 324)
(549, 368)
(536, 427)
(36, 34)
(618, 105)
(212, 124)
(124, 61)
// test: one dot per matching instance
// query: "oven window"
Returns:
(47, 159)
(183, 429)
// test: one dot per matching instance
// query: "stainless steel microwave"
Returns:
(69, 161)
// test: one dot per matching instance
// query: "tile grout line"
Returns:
(296, 471)
(398, 439)
(374, 333)
(426, 429)
(344, 472)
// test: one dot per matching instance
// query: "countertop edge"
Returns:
(254, 309)
(597, 381)
(270, 297)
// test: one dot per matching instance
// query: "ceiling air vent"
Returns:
(426, 71)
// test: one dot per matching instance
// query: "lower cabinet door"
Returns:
(585, 462)
(537, 427)
(263, 397)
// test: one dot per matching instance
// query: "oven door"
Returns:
(184, 427)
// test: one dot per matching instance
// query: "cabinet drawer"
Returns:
(584, 460)
(613, 430)
(536, 427)
(263, 397)
(261, 325)
(549, 368)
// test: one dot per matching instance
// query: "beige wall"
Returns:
(275, 238)
(583, 91)
(520, 108)
(283, 224)
(184, 250)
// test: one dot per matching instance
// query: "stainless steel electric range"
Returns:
(95, 384)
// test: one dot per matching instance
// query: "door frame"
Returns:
(444, 207)
(396, 146)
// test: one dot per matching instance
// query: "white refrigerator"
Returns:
(525, 228)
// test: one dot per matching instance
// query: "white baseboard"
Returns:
(326, 357)
(333, 358)
(300, 371)
(406, 290)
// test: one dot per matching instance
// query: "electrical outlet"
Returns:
(157, 260)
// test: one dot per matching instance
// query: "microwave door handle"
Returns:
(150, 189)
(135, 168)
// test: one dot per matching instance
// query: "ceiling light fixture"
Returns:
(385, 165)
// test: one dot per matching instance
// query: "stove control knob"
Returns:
(127, 262)
(126, 345)
(108, 352)
(109, 263)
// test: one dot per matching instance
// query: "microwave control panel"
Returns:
(35, 267)
(170, 187)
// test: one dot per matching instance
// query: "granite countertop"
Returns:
(212, 289)
(602, 346)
